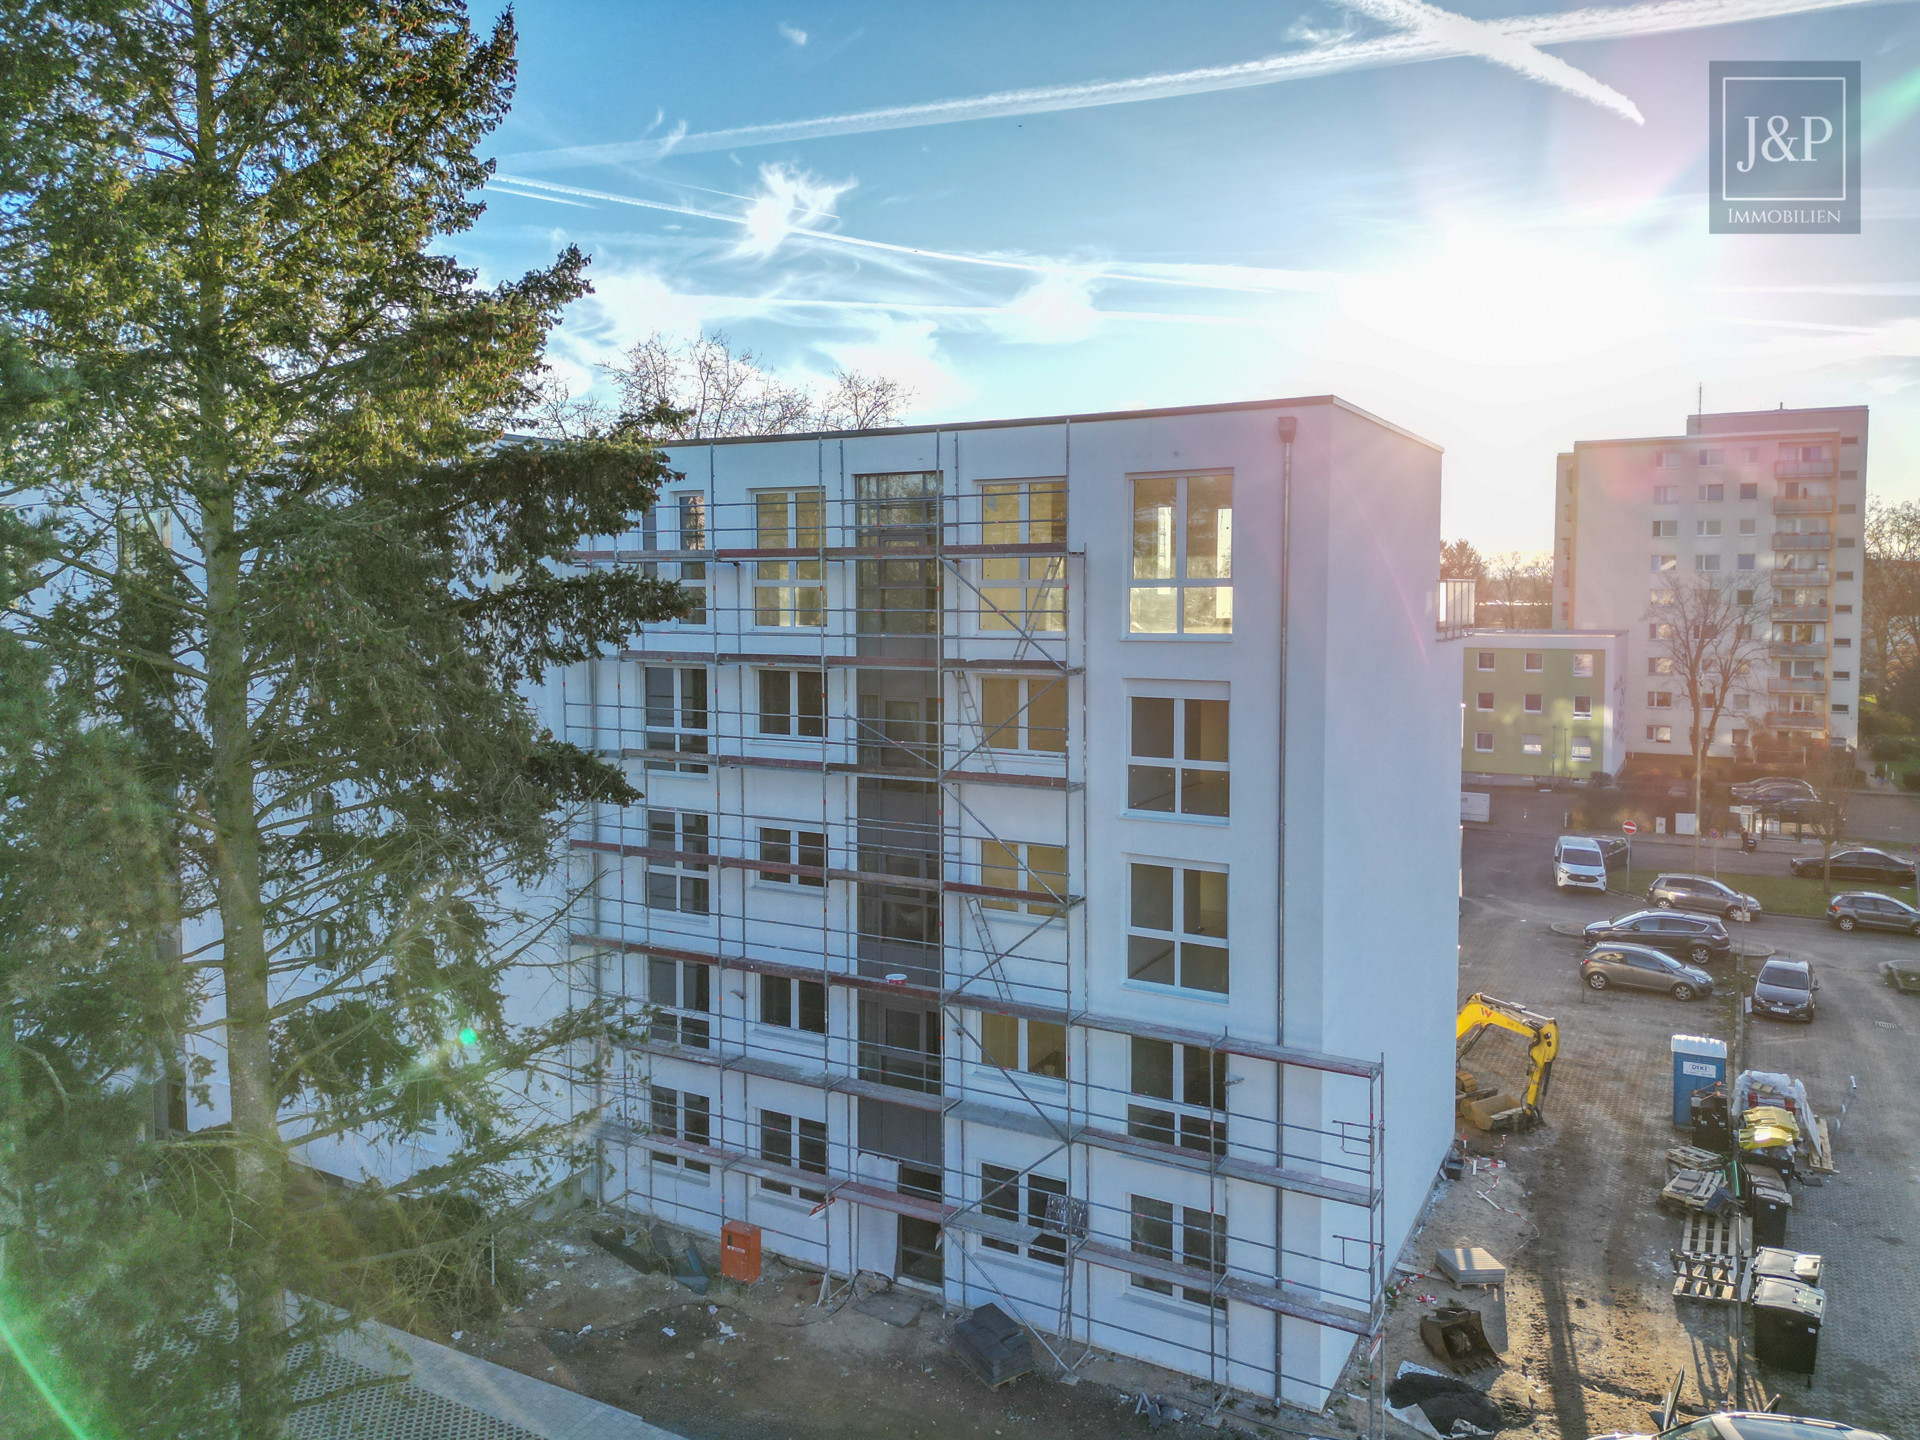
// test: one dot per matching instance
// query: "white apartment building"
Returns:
(1045, 881)
(1775, 501)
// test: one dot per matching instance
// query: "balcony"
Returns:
(1800, 612)
(1797, 685)
(1803, 504)
(1803, 469)
(1801, 579)
(1818, 540)
(1797, 719)
(1797, 650)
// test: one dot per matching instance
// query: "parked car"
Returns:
(1778, 787)
(1637, 967)
(1752, 1425)
(1793, 810)
(1785, 988)
(1697, 892)
(1579, 862)
(1858, 864)
(1697, 938)
(1866, 911)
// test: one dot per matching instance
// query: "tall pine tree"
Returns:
(305, 570)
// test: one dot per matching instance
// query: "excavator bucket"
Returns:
(1455, 1335)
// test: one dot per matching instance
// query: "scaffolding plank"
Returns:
(1231, 1287)
(695, 655)
(1300, 1182)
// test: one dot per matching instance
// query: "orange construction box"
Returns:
(740, 1251)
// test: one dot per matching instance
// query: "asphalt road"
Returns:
(1591, 1312)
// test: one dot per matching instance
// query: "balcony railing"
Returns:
(1803, 504)
(1797, 685)
(1800, 612)
(1797, 650)
(1797, 719)
(1801, 579)
(1803, 469)
(1818, 540)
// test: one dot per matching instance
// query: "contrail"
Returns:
(1600, 23)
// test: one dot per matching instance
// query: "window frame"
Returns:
(684, 1016)
(1180, 582)
(802, 1145)
(689, 877)
(799, 1000)
(682, 1121)
(790, 589)
(672, 720)
(1020, 1197)
(1180, 766)
(1030, 1049)
(1018, 724)
(1179, 939)
(1480, 736)
(1178, 1118)
(801, 722)
(1181, 1226)
(1001, 860)
(787, 844)
(1043, 595)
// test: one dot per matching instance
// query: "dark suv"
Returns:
(1785, 988)
(1698, 938)
(1857, 909)
(1859, 863)
(1697, 892)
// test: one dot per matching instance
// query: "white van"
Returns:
(1579, 861)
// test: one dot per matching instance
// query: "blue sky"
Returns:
(1136, 204)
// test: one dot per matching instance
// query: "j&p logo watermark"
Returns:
(1784, 147)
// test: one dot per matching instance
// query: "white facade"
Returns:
(1046, 857)
(1774, 496)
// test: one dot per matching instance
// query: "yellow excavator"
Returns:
(1480, 1014)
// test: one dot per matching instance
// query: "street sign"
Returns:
(1713, 834)
(1629, 827)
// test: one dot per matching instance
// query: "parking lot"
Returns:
(1594, 1330)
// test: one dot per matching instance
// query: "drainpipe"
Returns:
(1288, 428)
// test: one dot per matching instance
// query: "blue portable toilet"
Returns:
(1698, 1061)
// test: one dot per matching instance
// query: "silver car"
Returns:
(1635, 967)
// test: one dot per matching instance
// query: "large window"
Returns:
(796, 1144)
(780, 845)
(1038, 1047)
(793, 702)
(788, 591)
(688, 510)
(1023, 714)
(678, 881)
(1177, 927)
(1179, 759)
(898, 512)
(1023, 592)
(1184, 1076)
(681, 1115)
(1037, 871)
(1195, 1238)
(794, 1004)
(681, 995)
(676, 715)
(1182, 556)
(1001, 1198)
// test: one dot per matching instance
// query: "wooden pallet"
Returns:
(1820, 1149)
(1715, 1280)
(1715, 1237)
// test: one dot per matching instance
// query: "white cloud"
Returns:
(1054, 310)
(793, 33)
(789, 201)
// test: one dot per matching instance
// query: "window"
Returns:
(1749, 490)
(1483, 700)
(1531, 704)
(1483, 742)
(1582, 707)
(1713, 457)
(1842, 609)
(1177, 931)
(1845, 542)
(1810, 453)
(677, 880)
(1706, 563)
(680, 992)
(1747, 526)
(1744, 562)
(1580, 750)
(681, 1115)
(1530, 745)
(1843, 674)
(1534, 662)
(1713, 492)
(1032, 871)
(806, 849)
(796, 1144)
(689, 509)
(1179, 758)
(1201, 1238)
(1741, 737)
(676, 715)
(1662, 597)
(1669, 459)
(793, 1004)
(793, 702)
(1023, 592)
(1182, 556)
(1659, 665)
(1749, 455)
(1659, 699)
(1583, 664)
(1485, 660)
(1666, 494)
(1662, 563)
(1843, 574)
(1843, 644)
(1743, 597)
(1000, 1198)
(788, 591)
(1706, 527)
(1186, 1076)
(1847, 507)
(1665, 529)
(1660, 630)
(1038, 1047)
(1020, 714)
(1660, 734)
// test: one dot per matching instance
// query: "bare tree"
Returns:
(1890, 627)
(1519, 588)
(1832, 773)
(1710, 641)
(706, 389)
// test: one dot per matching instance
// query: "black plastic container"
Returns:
(1786, 1324)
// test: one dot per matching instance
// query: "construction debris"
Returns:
(993, 1345)
(1470, 1265)
(1455, 1335)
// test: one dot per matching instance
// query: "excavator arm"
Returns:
(1542, 1033)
